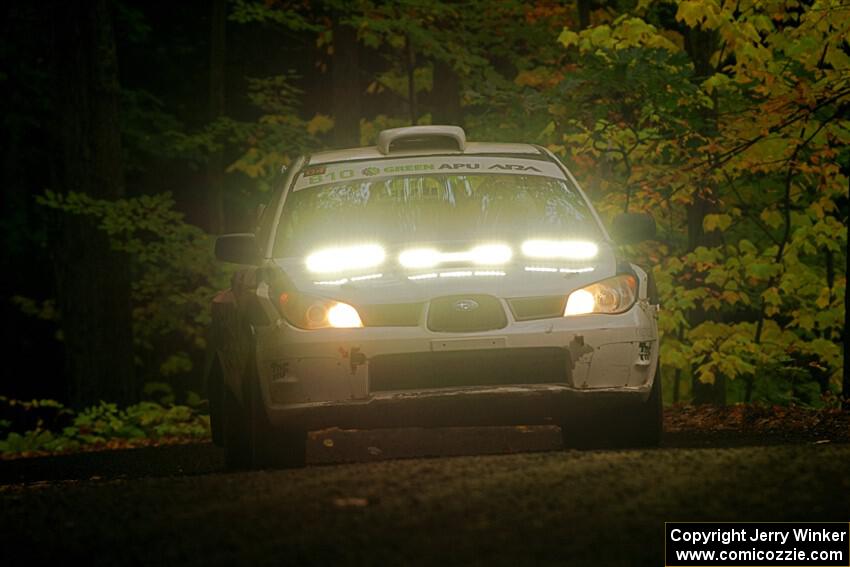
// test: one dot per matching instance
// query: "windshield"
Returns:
(408, 210)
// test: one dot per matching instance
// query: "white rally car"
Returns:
(431, 281)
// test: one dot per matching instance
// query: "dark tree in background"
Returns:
(699, 45)
(845, 378)
(446, 95)
(346, 85)
(93, 285)
(218, 54)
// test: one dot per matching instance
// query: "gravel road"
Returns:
(496, 496)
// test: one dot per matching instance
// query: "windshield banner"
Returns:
(315, 175)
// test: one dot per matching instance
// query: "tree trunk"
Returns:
(346, 86)
(583, 14)
(677, 377)
(700, 45)
(93, 284)
(446, 95)
(215, 167)
(410, 58)
(845, 382)
(703, 393)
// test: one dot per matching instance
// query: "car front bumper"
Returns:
(374, 377)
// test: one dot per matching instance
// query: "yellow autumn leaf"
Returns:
(716, 222)
(320, 124)
(568, 38)
(823, 298)
(771, 218)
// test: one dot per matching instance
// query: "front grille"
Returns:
(528, 308)
(490, 367)
(391, 315)
(466, 314)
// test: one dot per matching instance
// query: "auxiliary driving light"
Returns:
(482, 255)
(560, 249)
(419, 258)
(345, 258)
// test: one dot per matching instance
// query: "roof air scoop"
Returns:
(414, 138)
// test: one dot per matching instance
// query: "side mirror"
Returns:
(631, 228)
(237, 248)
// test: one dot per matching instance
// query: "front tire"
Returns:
(642, 426)
(250, 441)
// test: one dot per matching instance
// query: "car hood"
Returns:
(394, 284)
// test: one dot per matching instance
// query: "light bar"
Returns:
(483, 255)
(561, 249)
(458, 274)
(419, 258)
(369, 277)
(341, 281)
(345, 258)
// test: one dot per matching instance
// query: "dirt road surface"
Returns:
(496, 496)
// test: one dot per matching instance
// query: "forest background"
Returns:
(136, 131)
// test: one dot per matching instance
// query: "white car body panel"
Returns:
(301, 369)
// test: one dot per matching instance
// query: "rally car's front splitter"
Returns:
(508, 405)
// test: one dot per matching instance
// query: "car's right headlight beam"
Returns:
(611, 296)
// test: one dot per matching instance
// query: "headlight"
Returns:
(343, 316)
(346, 258)
(614, 295)
(560, 249)
(307, 312)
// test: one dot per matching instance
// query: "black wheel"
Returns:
(649, 419)
(250, 441)
(642, 426)
(236, 434)
(215, 395)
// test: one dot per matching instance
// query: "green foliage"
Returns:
(174, 274)
(245, 11)
(263, 145)
(44, 310)
(106, 425)
(22, 415)
(150, 131)
(759, 138)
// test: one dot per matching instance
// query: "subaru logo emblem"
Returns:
(466, 305)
